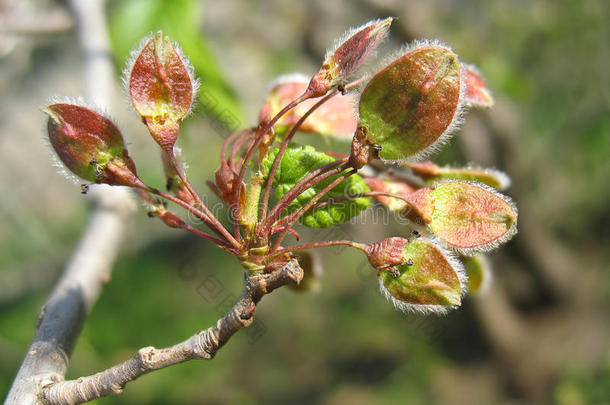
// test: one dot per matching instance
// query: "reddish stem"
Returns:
(353, 196)
(227, 142)
(237, 145)
(260, 133)
(309, 205)
(315, 245)
(212, 239)
(196, 212)
(306, 182)
(214, 223)
(282, 150)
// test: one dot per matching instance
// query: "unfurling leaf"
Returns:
(296, 163)
(335, 118)
(89, 145)
(161, 87)
(348, 55)
(428, 280)
(478, 272)
(413, 103)
(477, 92)
(432, 173)
(467, 216)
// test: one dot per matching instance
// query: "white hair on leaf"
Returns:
(134, 54)
(508, 235)
(77, 101)
(414, 308)
(458, 117)
(455, 264)
(130, 62)
(350, 33)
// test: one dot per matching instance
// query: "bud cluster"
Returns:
(270, 184)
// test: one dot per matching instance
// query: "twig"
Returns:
(63, 315)
(201, 346)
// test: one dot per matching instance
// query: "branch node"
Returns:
(146, 358)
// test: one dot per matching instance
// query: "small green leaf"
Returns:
(429, 280)
(296, 163)
(413, 103)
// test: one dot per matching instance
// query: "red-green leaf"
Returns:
(413, 103)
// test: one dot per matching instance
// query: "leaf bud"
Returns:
(90, 145)
(387, 253)
(413, 104)
(161, 86)
(417, 275)
(348, 55)
(469, 217)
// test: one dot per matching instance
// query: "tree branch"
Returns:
(64, 313)
(202, 345)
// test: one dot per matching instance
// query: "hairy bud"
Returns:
(387, 253)
(413, 103)
(469, 217)
(362, 152)
(90, 145)
(225, 182)
(347, 56)
(428, 279)
(161, 87)
(477, 92)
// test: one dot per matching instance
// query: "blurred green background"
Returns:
(541, 335)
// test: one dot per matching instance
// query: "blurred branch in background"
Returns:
(562, 282)
(63, 315)
(17, 21)
(201, 346)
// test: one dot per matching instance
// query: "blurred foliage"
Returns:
(552, 58)
(132, 20)
(549, 58)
